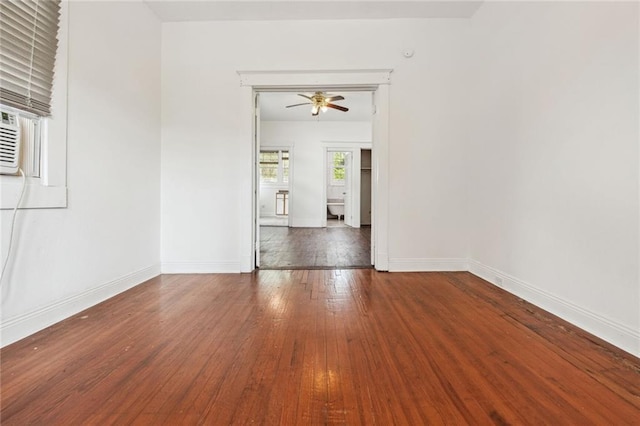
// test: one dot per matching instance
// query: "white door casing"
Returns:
(256, 156)
(375, 80)
(348, 190)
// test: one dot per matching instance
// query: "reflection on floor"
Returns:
(315, 248)
(335, 223)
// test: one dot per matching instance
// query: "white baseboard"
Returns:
(613, 332)
(200, 267)
(428, 265)
(19, 327)
(245, 264)
(305, 223)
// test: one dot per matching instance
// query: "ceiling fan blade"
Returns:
(335, 98)
(338, 107)
(305, 96)
(295, 105)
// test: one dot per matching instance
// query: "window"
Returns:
(337, 167)
(274, 166)
(29, 41)
(285, 166)
(29, 37)
(269, 166)
(33, 84)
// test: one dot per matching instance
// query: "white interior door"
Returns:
(256, 200)
(348, 190)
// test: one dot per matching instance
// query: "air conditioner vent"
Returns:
(9, 143)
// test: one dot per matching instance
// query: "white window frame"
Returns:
(280, 172)
(331, 170)
(50, 189)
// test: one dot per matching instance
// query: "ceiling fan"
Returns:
(320, 102)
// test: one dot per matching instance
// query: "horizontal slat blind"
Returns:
(28, 43)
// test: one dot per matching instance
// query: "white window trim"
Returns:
(49, 190)
(280, 173)
(331, 168)
(278, 169)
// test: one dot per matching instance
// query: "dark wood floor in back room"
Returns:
(315, 248)
(319, 347)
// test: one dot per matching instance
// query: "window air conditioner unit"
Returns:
(9, 144)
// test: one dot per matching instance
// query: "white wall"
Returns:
(108, 238)
(308, 140)
(553, 149)
(268, 198)
(202, 146)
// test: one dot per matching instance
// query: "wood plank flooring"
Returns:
(315, 348)
(315, 248)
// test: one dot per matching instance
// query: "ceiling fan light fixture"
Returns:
(321, 103)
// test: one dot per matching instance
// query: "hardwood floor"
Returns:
(315, 248)
(317, 347)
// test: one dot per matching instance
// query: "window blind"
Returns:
(28, 43)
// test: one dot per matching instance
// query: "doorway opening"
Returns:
(253, 83)
(299, 210)
(348, 186)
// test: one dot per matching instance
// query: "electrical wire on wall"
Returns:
(13, 223)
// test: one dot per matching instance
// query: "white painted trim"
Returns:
(248, 181)
(346, 145)
(377, 81)
(200, 267)
(380, 180)
(334, 78)
(36, 195)
(428, 265)
(637, 352)
(19, 327)
(325, 168)
(303, 222)
(613, 332)
(292, 165)
(245, 260)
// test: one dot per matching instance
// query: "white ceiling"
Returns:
(218, 10)
(273, 107)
